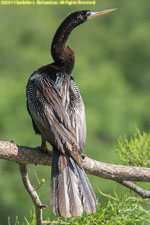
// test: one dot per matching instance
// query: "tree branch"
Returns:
(143, 193)
(27, 155)
(33, 194)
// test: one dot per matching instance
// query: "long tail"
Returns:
(70, 188)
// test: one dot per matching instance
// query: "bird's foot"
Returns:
(45, 149)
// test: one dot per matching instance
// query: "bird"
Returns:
(58, 116)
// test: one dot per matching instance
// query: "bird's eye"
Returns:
(88, 13)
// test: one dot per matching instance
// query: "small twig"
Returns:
(33, 194)
(143, 193)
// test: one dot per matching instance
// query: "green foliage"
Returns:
(112, 72)
(136, 151)
(125, 210)
(30, 221)
(40, 183)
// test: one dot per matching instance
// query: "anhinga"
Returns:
(57, 111)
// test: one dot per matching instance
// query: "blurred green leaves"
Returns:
(112, 71)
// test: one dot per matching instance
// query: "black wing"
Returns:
(58, 112)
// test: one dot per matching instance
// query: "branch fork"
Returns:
(27, 155)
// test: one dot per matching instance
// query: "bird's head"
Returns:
(82, 16)
(62, 54)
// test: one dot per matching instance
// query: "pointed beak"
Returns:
(100, 13)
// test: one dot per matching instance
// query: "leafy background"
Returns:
(113, 74)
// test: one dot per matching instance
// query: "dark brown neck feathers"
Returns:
(62, 54)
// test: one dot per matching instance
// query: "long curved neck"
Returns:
(62, 54)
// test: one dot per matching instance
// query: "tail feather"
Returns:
(54, 185)
(87, 195)
(71, 190)
(63, 198)
(73, 193)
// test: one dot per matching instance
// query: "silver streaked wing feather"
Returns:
(62, 119)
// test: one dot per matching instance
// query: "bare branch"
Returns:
(33, 194)
(24, 155)
(143, 193)
(116, 172)
(27, 155)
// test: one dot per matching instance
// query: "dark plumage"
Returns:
(57, 111)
